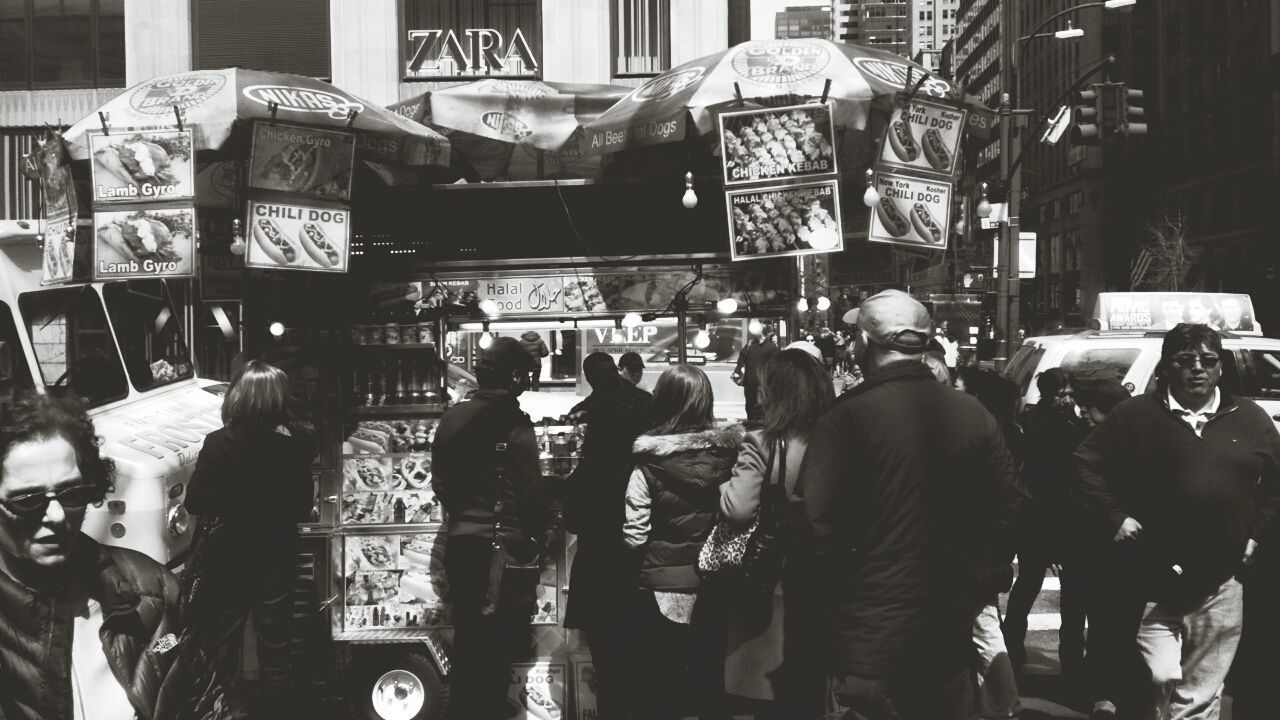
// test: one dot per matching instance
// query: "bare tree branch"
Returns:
(1169, 255)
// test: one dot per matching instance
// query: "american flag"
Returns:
(1141, 264)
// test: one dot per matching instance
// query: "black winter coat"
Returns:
(1199, 499)
(679, 476)
(604, 569)
(464, 475)
(909, 491)
(258, 483)
(752, 359)
(140, 629)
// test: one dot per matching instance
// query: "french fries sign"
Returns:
(923, 136)
(911, 211)
(146, 167)
(295, 237)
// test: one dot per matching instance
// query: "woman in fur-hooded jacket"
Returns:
(671, 505)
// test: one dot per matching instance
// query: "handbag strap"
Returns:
(499, 472)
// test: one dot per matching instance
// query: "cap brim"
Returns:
(851, 317)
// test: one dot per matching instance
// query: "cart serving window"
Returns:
(149, 325)
(73, 344)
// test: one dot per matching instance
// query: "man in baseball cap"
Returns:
(917, 477)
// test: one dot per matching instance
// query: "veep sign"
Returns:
(445, 53)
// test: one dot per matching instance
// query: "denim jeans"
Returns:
(1189, 654)
(997, 687)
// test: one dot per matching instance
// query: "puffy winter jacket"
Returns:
(140, 631)
(672, 500)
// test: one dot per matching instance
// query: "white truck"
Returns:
(122, 346)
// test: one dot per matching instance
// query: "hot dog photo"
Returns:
(923, 135)
(911, 211)
(302, 161)
(150, 166)
(297, 237)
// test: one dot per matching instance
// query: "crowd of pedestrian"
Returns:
(903, 505)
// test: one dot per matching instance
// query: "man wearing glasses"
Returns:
(1184, 480)
(87, 632)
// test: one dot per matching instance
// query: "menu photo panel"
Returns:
(286, 236)
(777, 144)
(151, 166)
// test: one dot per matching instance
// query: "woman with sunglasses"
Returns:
(250, 488)
(75, 616)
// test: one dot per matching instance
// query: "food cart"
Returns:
(403, 357)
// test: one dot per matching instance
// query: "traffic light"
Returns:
(1089, 128)
(1130, 116)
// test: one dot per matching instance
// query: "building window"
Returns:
(63, 44)
(641, 37)
(283, 35)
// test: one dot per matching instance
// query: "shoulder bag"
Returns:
(511, 581)
(751, 554)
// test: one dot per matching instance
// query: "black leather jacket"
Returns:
(140, 634)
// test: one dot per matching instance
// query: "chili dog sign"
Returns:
(911, 211)
(295, 237)
(924, 136)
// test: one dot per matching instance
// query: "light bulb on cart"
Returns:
(690, 199)
(631, 320)
(755, 327)
(486, 339)
(701, 340)
(488, 306)
(824, 303)
(276, 329)
(802, 305)
(727, 306)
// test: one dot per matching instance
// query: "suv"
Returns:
(1250, 364)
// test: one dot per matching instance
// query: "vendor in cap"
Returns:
(481, 484)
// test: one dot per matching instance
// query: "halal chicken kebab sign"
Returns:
(143, 193)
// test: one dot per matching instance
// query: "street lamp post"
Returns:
(1009, 286)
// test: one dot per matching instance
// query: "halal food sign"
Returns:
(440, 53)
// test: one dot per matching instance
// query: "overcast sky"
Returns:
(764, 12)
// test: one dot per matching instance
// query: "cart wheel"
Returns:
(398, 686)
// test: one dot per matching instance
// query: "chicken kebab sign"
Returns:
(143, 200)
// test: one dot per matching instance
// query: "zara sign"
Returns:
(471, 52)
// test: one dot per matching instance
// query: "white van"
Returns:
(123, 347)
(1127, 345)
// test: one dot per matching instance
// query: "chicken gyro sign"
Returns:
(294, 237)
(911, 211)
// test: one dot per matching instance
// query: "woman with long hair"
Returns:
(250, 489)
(670, 508)
(769, 655)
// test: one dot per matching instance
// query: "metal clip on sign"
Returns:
(177, 115)
(351, 117)
(103, 117)
(826, 90)
(273, 107)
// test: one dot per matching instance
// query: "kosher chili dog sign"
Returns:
(296, 237)
(911, 211)
(923, 136)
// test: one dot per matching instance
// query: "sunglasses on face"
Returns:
(1188, 360)
(70, 498)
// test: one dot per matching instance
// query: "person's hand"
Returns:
(1129, 530)
(1250, 547)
